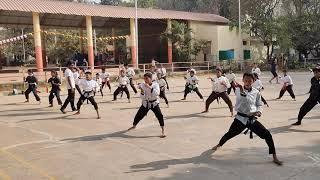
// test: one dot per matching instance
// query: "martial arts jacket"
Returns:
(218, 87)
(192, 82)
(123, 81)
(130, 73)
(105, 76)
(247, 103)
(150, 97)
(55, 83)
(88, 87)
(257, 85)
(256, 70)
(286, 80)
(32, 81)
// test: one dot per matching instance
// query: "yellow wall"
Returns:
(222, 38)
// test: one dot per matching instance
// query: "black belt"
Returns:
(249, 124)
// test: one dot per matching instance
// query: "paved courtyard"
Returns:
(38, 142)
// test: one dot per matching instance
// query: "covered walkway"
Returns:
(58, 14)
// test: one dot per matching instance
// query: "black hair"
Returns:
(88, 72)
(97, 74)
(316, 69)
(69, 63)
(30, 71)
(53, 71)
(126, 64)
(256, 75)
(248, 74)
(103, 68)
(148, 74)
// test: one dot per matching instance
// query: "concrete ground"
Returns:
(41, 143)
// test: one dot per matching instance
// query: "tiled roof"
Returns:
(80, 9)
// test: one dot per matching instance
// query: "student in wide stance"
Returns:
(192, 85)
(220, 85)
(150, 92)
(259, 86)
(32, 86)
(89, 87)
(123, 86)
(313, 99)
(287, 85)
(249, 107)
(130, 74)
(105, 78)
(162, 83)
(55, 88)
(99, 81)
(70, 86)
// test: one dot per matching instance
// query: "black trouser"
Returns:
(55, 92)
(132, 86)
(163, 96)
(78, 89)
(91, 99)
(70, 99)
(188, 90)
(215, 95)
(120, 89)
(104, 83)
(33, 89)
(307, 107)
(143, 111)
(290, 91)
(237, 127)
(165, 79)
(101, 92)
(232, 87)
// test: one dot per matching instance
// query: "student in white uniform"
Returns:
(123, 81)
(153, 71)
(163, 73)
(150, 92)
(105, 78)
(70, 86)
(259, 86)
(99, 80)
(220, 85)
(130, 74)
(76, 76)
(192, 85)
(249, 107)
(287, 85)
(256, 69)
(89, 87)
(232, 80)
(162, 84)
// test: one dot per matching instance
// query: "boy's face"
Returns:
(191, 73)
(74, 70)
(29, 73)
(122, 73)
(53, 74)
(88, 76)
(285, 73)
(218, 73)
(147, 80)
(159, 76)
(103, 70)
(247, 81)
(97, 76)
(317, 74)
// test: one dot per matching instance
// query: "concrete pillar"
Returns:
(81, 41)
(133, 41)
(37, 41)
(169, 27)
(90, 42)
(44, 52)
(114, 43)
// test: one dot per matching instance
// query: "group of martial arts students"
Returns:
(248, 96)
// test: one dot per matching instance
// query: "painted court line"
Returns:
(28, 165)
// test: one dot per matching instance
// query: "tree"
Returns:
(260, 21)
(111, 2)
(185, 46)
